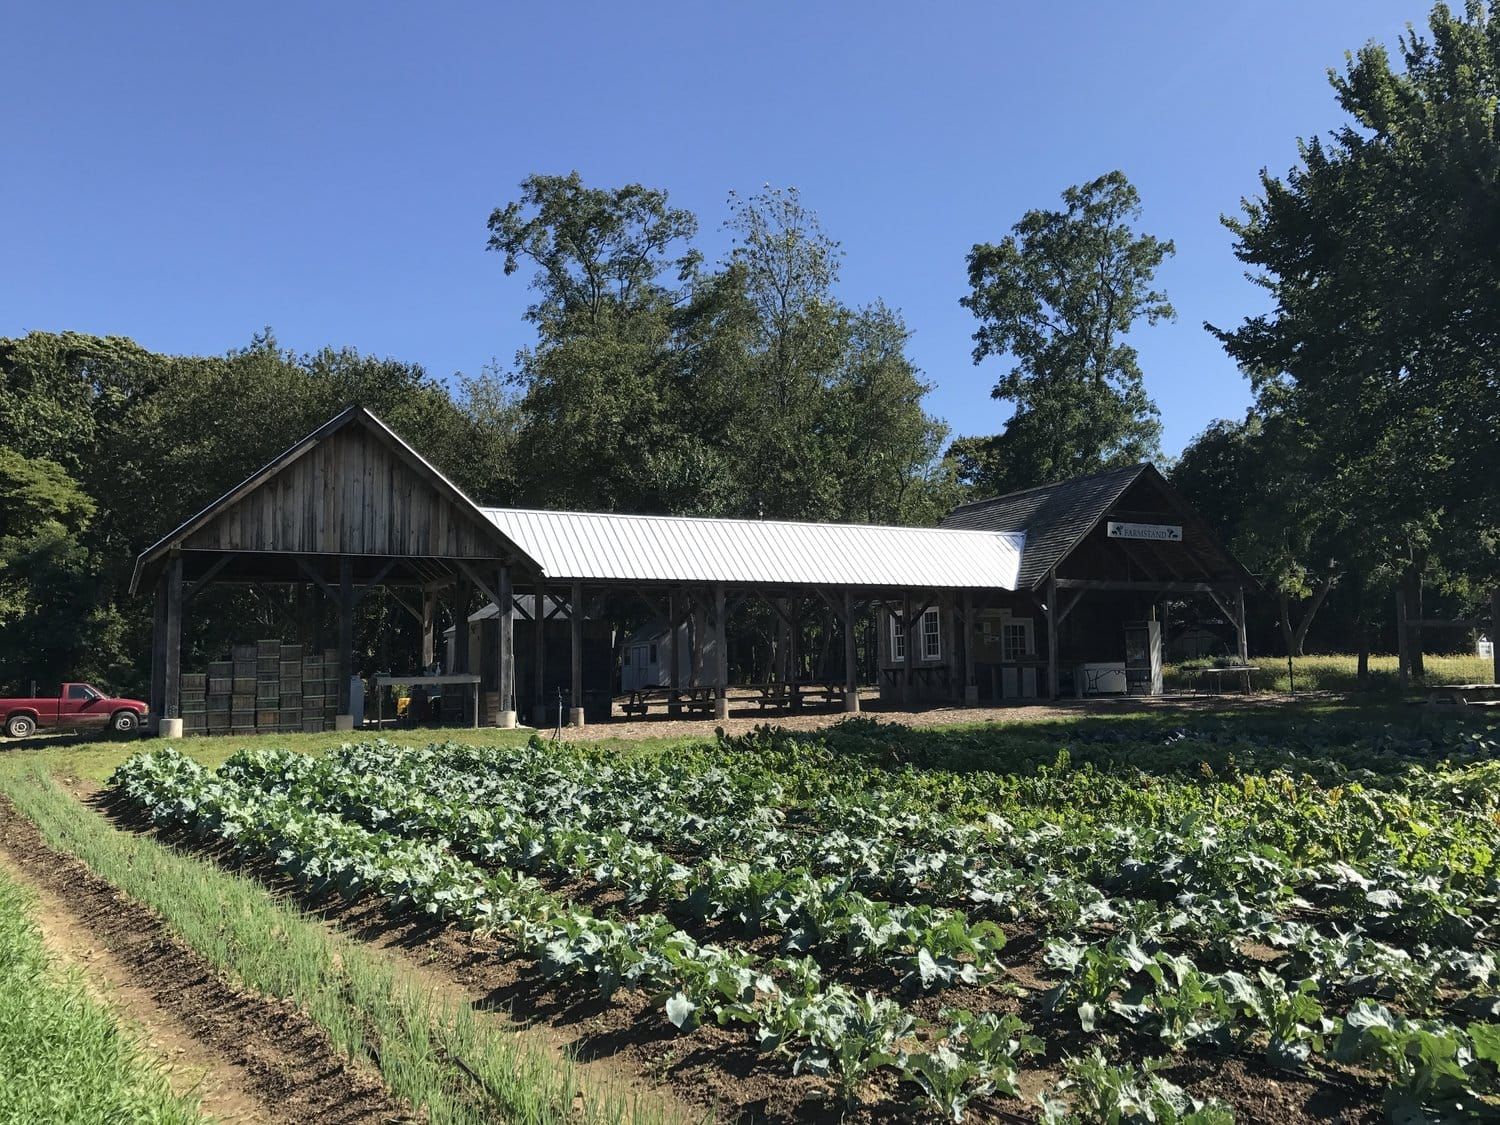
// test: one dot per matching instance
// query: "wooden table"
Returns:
(383, 682)
(1218, 674)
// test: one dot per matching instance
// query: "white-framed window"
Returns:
(1015, 639)
(932, 635)
(898, 638)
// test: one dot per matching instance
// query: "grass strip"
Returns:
(434, 1053)
(63, 1057)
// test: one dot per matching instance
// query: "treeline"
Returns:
(656, 384)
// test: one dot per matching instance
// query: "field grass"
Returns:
(63, 1057)
(1337, 673)
(368, 1011)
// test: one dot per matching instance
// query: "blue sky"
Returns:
(185, 174)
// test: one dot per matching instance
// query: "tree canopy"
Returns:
(1058, 296)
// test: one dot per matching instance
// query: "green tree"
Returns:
(1381, 252)
(1256, 484)
(610, 268)
(1058, 296)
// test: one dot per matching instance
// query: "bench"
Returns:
(1465, 695)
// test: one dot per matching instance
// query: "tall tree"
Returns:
(1058, 296)
(611, 267)
(1381, 251)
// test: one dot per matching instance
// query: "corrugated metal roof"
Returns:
(590, 546)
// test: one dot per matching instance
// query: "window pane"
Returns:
(77, 691)
(932, 645)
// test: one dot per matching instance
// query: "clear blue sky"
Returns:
(185, 174)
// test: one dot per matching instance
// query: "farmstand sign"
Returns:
(1167, 532)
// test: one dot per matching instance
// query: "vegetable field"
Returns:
(1180, 926)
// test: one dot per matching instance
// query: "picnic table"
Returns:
(779, 694)
(1465, 695)
(1216, 675)
(639, 701)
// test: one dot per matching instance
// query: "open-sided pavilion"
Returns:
(352, 507)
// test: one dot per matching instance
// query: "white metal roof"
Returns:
(589, 546)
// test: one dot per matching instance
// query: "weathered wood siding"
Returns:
(351, 494)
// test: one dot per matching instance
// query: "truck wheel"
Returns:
(125, 722)
(19, 726)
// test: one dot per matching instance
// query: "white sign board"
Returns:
(1166, 532)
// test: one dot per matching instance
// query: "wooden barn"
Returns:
(1053, 590)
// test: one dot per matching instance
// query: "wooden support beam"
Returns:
(1052, 662)
(380, 576)
(463, 595)
(1073, 598)
(674, 654)
(721, 655)
(346, 632)
(908, 651)
(156, 697)
(477, 579)
(538, 656)
(575, 619)
(172, 640)
(971, 684)
(428, 618)
(505, 662)
(1115, 586)
(207, 576)
(316, 579)
(851, 665)
(404, 604)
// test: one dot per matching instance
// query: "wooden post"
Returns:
(851, 669)
(971, 685)
(908, 652)
(463, 591)
(575, 619)
(538, 655)
(157, 697)
(1403, 654)
(674, 649)
(721, 656)
(171, 709)
(793, 668)
(429, 629)
(344, 719)
(505, 663)
(1052, 677)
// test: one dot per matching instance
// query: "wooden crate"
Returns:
(241, 653)
(242, 719)
(266, 718)
(193, 681)
(241, 701)
(220, 685)
(267, 691)
(190, 706)
(312, 724)
(244, 668)
(243, 685)
(194, 721)
(271, 648)
(291, 652)
(221, 667)
(291, 670)
(218, 720)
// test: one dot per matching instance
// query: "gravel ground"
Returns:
(744, 716)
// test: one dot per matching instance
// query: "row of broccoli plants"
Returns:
(823, 1028)
(1434, 1069)
(424, 793)
(930, 946)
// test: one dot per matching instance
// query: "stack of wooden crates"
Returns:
(262, 687)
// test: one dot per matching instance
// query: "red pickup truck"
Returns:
(75, 706)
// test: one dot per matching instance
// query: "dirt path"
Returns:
(224, 1088)
(251, 1058)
